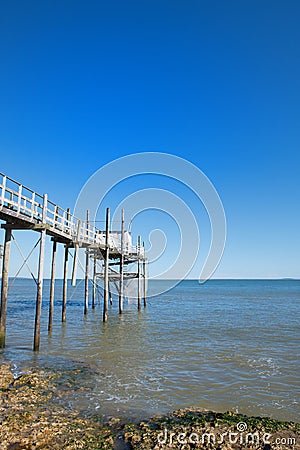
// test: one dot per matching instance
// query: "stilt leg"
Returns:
(106, 267)
(52, 285)
(86, 289)
(65, 285)
(121, 266)
(39, 295)
(139, 274)
(4, 285)
(145, 283)
(94, 284)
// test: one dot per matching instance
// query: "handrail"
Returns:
(57, 219)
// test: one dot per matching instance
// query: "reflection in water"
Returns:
(222, 345)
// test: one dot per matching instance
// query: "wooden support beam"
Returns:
(68, 222)
(3, 190)
(94, 283)
(121, 289)
(139, 273)
(75, 260)
(106, 267)
(144, 278)
(126, 261)
(19, 199)
(65, 280)
(65, 285)
(22, 226)
(32, 204)
(86, 286)
(52, 286)
(39, 295)
(74, 268)
(4, 285)
(55, 215)
(110, 295)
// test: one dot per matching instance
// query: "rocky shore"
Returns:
(33, 416)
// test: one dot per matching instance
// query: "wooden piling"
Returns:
(121, 287)
(94, 283)
(86, 284)
(4, 284)
(65, 285)
(75, 260)
(139, 272)
(106, 267)
(144, 278)
(110, 295)
(65, 280)
(74, 268)
(52, 286)
(39, 295)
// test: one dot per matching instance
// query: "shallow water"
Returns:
(222, 345)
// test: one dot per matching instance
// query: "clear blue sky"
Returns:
(215, 82)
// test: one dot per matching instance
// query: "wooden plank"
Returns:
(126, 261)
(41, 226)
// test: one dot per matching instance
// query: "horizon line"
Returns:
(183, 279)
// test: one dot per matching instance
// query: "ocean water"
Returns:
(222, 345)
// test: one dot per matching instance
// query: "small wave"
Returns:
(265, 367)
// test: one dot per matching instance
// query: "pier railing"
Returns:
(23, 203)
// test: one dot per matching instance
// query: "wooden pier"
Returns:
(23, 209)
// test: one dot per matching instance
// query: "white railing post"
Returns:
(45, 206)
(19, 199)
(32, 204)
(3, 189)
(68, 221)
(55, 217)
(64, 218)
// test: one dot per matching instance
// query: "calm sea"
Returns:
(224, 345)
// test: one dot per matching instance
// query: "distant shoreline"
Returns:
(189, 279)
